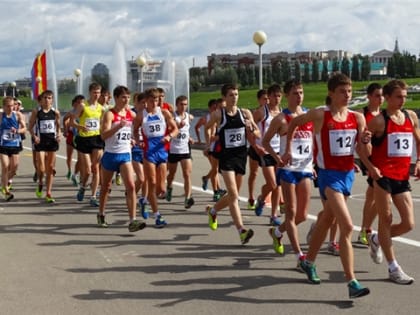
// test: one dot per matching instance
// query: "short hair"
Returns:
(274, 88)
(94, 86)
(181, 98)
(211, 102)
(160, 90)
(77, 98)
(372, 87)
(7, 99)
(392, 85)
(152, 92)
(139, 96)
(290, 84)
(327, 100)
(120, 90)
(226, 87)
(104, 90)
(336, 80)
(261, 92)
(47, 93)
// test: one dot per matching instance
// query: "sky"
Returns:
(86, 32)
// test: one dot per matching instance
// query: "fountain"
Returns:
(118, 69)
(51, 75)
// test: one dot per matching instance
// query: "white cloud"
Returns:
(195, 29)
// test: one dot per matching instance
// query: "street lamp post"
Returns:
(13, 85)
(77, 73)
(141, 62)
(260, 38)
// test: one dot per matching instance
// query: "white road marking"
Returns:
(402, 240)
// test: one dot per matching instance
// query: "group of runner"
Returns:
(292, 147)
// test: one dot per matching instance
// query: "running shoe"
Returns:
(246, 235)
(333, 249)
(8, 196)
(259, 207)
(400, 277)
(216, 196)
(212, 219)
(68, 175)
(275, 221)
(277, 245)
(309, 235)
(118, 179)
(136, 225)
(38, 191)
(283, 208)
(356, 289)
(101, 221)
(189, 202)
(375, 250)
(204, 182)
(222, 192)
(168, 196)
(81, 194)
(143, 209)
(49, 199)
(363, 238)
(310, 270)
(251, 204)
(298, 267)
(160, 222)
(75, 180)
(94, 202)
(35, 177)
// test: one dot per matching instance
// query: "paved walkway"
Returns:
(54, 260)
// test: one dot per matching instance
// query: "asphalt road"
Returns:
(54, 260)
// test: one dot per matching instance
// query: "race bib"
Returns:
(400, 144)
(47, 126)
(92, 124)
(235, 137)
(124, 135)
(342, 142)
(8, 135)
(302, 148)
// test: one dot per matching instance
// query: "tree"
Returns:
(315, 70)
(324, 73)
(251, 75)
(345, 67)
(335, 65)
(242, 76)
(306, 73)
(355, 73)
(100, 74)
(285, 70)
(365, 68)
(391, 71)
(297, 72)
(276, 72)
(268, 75)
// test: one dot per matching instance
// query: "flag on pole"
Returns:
(39, 74)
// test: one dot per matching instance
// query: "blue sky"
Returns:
(187, 30)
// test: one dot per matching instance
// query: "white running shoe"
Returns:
(400, 277)
(375, 250)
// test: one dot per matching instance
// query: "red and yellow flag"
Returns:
(39, 74)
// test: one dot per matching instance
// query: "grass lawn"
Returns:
(315, 94)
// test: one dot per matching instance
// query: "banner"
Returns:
(39, 75)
